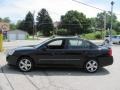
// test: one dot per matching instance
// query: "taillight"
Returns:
(110, 52)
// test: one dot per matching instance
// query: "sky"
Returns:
(17, 9)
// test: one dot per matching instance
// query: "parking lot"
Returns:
(107, 78)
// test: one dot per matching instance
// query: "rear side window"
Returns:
(89, 45)
(75, 44)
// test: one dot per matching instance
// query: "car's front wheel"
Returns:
(25, 64)
(91, 66)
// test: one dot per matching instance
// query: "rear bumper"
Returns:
(105, 61)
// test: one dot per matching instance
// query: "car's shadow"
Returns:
(54, 71)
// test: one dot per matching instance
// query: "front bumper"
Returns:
(105, 61)
(12, 60)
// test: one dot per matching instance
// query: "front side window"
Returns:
(57, 44)
(75, 44)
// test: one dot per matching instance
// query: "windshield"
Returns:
(38, 45)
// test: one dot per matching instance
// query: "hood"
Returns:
(30, 47)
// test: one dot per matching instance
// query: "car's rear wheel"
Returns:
(91, 66)
(25, 64)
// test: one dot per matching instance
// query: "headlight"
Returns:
(10, 52)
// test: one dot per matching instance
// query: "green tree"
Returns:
(0, 19)
(100, 20)
(75, 22)
(6, 19)
(13, 26)
(116, 26)
(20, 24)
(28, 23)
(93, 24)
(44, 22)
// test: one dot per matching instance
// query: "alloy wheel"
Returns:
(25, 65)
(91, 66)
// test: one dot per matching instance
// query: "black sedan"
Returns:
(61, 51)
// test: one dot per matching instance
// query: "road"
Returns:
(106, 78)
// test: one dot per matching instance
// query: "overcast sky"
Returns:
(17, 9)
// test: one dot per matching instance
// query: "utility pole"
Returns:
(1, 40)
(112, 3)
(33, 24)
(104, 24)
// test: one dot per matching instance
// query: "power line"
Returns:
(89, 5)
(93, 6)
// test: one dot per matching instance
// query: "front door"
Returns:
(54, 52)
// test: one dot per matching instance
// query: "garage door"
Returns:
(21, 36)
(12, 36)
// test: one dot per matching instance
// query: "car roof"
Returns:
(65, 37)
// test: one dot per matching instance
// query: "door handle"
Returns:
(84, 52)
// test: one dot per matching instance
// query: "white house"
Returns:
(16, 35)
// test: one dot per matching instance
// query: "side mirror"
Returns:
(44, 48)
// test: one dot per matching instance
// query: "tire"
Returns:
(91, 66)
(25, 64)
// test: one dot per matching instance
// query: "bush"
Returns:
(62, 32)
(92, 36)
(113, 32)
(98, 35)
(118, 33)
(39, 33)
(89, 36)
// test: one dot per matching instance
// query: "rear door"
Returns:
(78, 51)
(74, 52)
